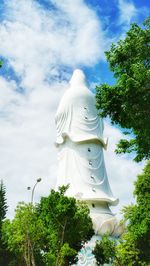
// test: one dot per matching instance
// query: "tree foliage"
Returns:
(23, 235)
(128, 101)
(68, 227)
(5, 255)
(136, 245)
(105, 250)
(3, 204)
(50, 233)
(3, 210)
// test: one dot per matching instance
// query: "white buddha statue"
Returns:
(80, 145)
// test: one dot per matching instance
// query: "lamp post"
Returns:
(33, 189)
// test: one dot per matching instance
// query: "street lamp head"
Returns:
(39, 179)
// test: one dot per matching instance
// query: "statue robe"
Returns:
(80, 142)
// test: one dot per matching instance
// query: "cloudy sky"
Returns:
(41, 43)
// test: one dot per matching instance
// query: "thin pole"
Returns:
(33, 192)
(37, 181)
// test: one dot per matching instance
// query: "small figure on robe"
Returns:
(80, 145)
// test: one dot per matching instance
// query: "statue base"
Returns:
(85, 255)
(104, 221)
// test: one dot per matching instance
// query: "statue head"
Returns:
(78, 79)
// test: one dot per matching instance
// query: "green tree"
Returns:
(50, 233)
(3, 204)
(105, 250)
(4, 255)
(128, 101)
(134, 246)
(23, 235)
(68, 227)
(1, 63)
(134, 250)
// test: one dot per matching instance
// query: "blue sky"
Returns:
(41, 43)
(115, 17)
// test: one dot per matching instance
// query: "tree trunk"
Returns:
(61, 243)
(32, 255)
(27, 254)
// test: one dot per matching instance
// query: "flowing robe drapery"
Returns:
(80, 142)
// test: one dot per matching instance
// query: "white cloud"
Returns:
(27, 148)
(8, 95)
(37, 41)
(127, 11)
(38, 45)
